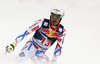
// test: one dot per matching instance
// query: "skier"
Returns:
(47, 31)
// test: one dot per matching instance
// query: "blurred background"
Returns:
(81, 20)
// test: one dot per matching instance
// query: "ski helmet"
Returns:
(58, 10)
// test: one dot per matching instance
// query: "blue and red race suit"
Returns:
(44, 37)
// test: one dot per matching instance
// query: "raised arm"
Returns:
(36, 25)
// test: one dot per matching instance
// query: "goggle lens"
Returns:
(57, 16)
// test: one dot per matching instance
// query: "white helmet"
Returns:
(58, 10)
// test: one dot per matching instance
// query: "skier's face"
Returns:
(54, 21)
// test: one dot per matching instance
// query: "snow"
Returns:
(82, 22)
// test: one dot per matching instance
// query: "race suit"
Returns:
(44, 37)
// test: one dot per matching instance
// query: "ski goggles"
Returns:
(57, 16)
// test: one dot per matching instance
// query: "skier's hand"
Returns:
(10, 48)
(53, 61)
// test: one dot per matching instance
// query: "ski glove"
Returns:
(53, 61)
(10, 48)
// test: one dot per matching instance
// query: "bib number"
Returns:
(45, 42)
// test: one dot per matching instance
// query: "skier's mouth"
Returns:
(54, 22)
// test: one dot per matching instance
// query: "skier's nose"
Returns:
(54, 19)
